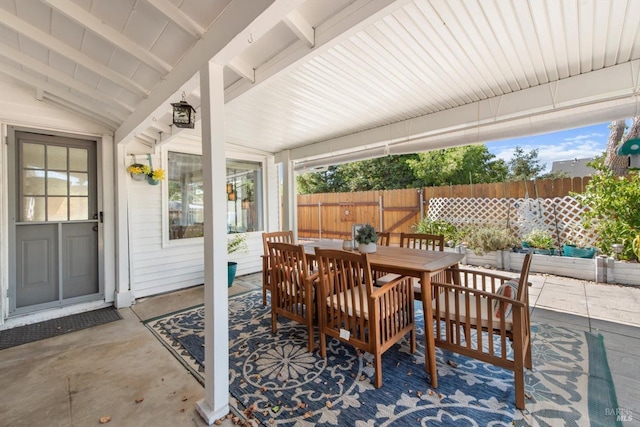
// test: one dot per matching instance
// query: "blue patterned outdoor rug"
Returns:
(276, 381)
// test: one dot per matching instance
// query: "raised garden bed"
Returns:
(599, 269)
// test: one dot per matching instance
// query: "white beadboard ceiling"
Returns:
(331, 80)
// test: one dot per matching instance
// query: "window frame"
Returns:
(229, 154)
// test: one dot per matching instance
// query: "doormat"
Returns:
(54, 327)
(274, 377)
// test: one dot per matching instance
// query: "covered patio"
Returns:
(73, 373)
(278, 87)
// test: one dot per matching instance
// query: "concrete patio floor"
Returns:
(121, 370)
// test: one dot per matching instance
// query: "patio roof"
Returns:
(331, 80)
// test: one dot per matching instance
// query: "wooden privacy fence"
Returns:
(331, 215)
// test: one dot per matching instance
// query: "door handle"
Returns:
(95, 227)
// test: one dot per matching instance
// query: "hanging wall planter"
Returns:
(138, 171)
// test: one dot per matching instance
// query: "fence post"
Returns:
(421, 204)
(319, 220)
(380, 208)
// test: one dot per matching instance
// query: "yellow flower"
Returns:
(137, 168)
(157, 174)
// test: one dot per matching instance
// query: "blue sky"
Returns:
(579, 143)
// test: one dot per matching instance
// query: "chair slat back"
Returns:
(276, 236)
(383, 238)
(434, 242)
(289, 273)
(345, 286)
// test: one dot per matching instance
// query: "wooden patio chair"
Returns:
(351, 310)
(276, 236)
(433, 242)
(497, 308)
(291, 287)
(384, 238)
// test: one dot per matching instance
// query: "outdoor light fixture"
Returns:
(184, 115)
(617, 248)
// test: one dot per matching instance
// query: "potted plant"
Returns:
(540, 240)
(138, 171)
(237, 243)
(577, 246)
(367, 238)
(154, 176)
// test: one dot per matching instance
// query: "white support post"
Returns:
(290, 205)
(124, 295)
(215, 404)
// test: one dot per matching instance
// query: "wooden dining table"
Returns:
(418, 263)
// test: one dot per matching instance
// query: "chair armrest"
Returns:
(392, 287)
(479, 293)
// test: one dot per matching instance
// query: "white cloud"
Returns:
(554, 148)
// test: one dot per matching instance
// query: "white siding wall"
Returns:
(156, 267)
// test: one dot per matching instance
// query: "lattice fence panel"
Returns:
(561, 216)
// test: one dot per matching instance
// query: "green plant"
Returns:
(577, 239)
(636, 246)
(483, 239)
(237, 243)
(612, 204)
(539, 239)
(439, 226)
(366, 234)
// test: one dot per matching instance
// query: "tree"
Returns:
(329, 181)
(384, 173)
(459, 165)
(618, 164)
(524, 166)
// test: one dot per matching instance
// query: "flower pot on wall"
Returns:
(153, 181)
(137, 172)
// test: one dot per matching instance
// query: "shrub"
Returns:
(439, 226)
(612, 204)
(483, 239)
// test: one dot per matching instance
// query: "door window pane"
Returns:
(32, 182)
(78, 184)
(57, 208)
(33, 156)
(78, 208)
(56, 183)
(33, 209)
(56, 157)
(78, 159)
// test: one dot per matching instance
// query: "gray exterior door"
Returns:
(56, 227)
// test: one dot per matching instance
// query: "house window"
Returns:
(186, 215)
(185, 199)
(244, 196)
